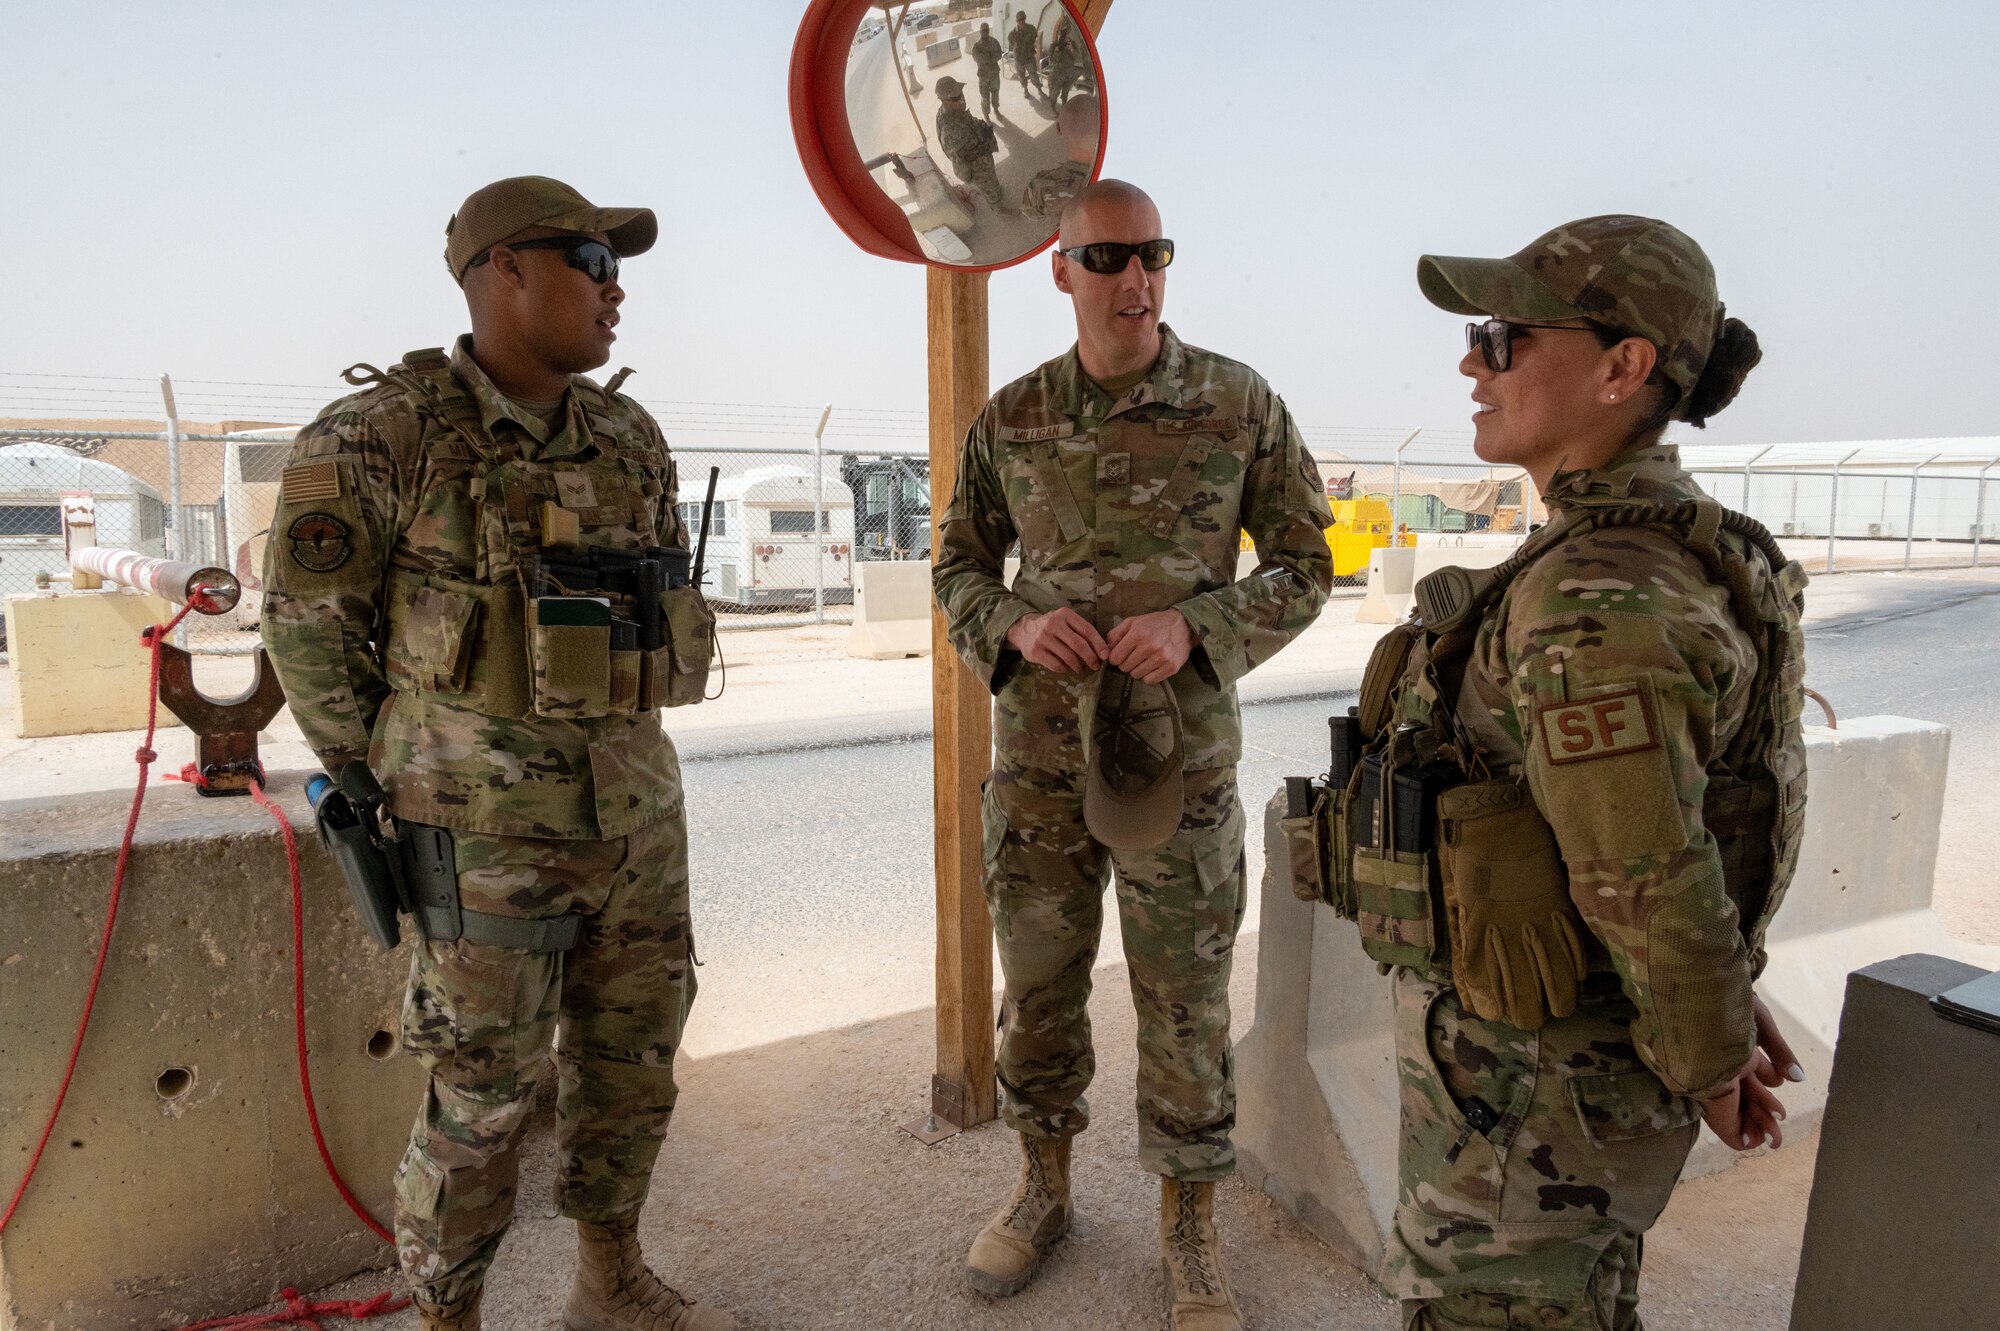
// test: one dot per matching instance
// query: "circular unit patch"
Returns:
(320, 542)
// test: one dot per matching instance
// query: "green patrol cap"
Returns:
(1132, 751)
(507, 208)
(950, 87)
(1631, 274)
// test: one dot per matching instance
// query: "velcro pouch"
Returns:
(690, 629)
(571, 637)
(430, 640)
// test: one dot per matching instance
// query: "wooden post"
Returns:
(962, 1092)
(962, 1089)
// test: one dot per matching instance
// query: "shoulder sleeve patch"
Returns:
(1603, 725)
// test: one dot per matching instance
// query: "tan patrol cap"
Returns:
(1132, 749)
(506, 208)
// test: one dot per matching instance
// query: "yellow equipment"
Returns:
(1360, 526)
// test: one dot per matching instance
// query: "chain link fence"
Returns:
(803, 495)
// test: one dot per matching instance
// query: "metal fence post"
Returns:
(819, 517)
(176, 545)
(1910, 522)
(1396, 482)
(1979, 512)
(1746, 475)
(1833, 508)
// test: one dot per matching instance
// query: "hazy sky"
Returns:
(257, 192)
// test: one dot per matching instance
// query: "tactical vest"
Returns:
(472, 622)
(1754, 805)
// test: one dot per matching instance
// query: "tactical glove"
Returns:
(1516, 939)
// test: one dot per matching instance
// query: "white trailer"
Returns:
(33, 480)
(762, 551)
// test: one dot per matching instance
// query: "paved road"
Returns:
(812, 867)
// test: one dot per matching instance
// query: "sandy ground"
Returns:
(788, 1193)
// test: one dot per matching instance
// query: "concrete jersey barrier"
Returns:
(1317, 1128)
(892, 609)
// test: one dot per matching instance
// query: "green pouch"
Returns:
(571, 637)
(1393, 907)
(690, 627)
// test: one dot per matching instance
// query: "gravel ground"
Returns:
(787, 1193)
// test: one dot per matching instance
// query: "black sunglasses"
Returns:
(592, 258)
(1494, 339)
(1109, 256)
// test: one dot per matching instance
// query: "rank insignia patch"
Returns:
(320, 542)
(1603, 725)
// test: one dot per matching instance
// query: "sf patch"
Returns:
(1603, 725)
(320, 542)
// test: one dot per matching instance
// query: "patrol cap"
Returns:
(1132, 749)
(506, 208)
(1631, 274)
(950, 87)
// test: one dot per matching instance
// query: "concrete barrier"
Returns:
(892, 609)
(1317, 1125)
(77, 664)
(1900, 1229)
(182, 1182)
(1394, 571)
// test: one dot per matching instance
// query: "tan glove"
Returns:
(1516, 941)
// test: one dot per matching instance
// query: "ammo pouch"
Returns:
(677, 674)
(569, 650)
(1319, 842)
(1397, 894)
(432, 874)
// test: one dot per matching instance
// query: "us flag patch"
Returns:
(318, 480)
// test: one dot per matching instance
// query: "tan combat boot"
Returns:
(1008, 1252)
(462, 1315)
(614, 1291)
(1192, 1255)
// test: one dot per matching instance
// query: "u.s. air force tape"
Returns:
(320, 542)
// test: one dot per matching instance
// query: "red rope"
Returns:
(152, 638)
(298, 1312)
(299, 1011)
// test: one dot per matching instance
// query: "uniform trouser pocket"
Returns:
(1541, 1204)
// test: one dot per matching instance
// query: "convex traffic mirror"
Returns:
(948, 132)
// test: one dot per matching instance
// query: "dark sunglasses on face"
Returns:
(592, 258)
(1108, 256)
(1494, 339)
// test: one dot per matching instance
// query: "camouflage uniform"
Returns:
(1065, 70)
(1025, 43)
(986, 53)
(970, 144)
(395, 625)
(1534, 1161)
(1124, 507)
(1049, 190)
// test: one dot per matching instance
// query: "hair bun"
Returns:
(1730, 360)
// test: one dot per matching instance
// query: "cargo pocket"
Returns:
(571, 636)
(1393, 907)
(1624, 1106)
(419, 1185)
(430, 643)
(690, 627)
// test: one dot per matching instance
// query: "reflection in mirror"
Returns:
(978, 118)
